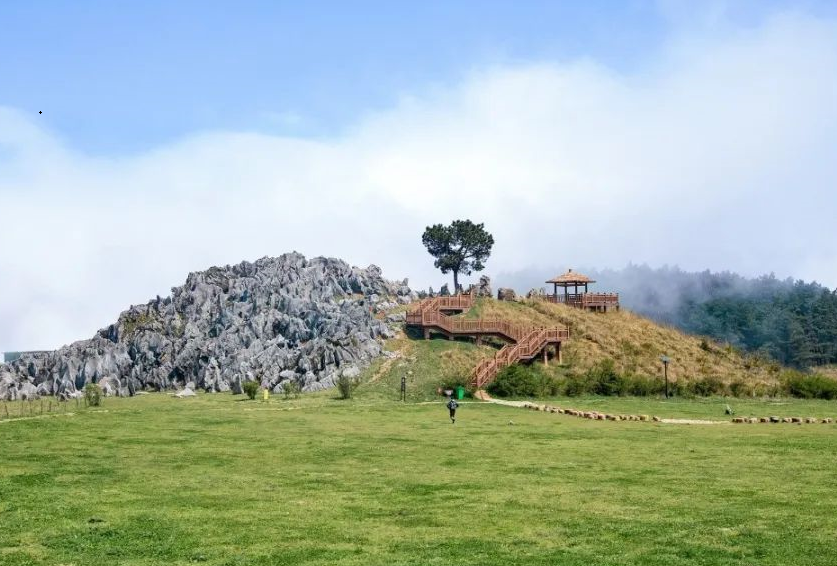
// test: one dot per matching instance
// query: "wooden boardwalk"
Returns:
(602, 302)
(525, 342)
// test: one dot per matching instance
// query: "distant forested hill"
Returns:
(793, 322)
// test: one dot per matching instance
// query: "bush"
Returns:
(605, 380)
(345, 386)
(522, 381)
(641, 386)
(575, 385)
(740, 388)
(92, 395)
(250, 388)
(291, 389)
(811, 386)
(706, 387)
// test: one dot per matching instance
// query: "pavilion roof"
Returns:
(571, 278)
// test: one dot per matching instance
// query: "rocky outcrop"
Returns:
(484, 287)
(275, 320)
(536, 293)
(506, 294)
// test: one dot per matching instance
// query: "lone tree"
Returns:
(461, 247)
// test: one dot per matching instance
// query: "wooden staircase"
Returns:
(525, 342)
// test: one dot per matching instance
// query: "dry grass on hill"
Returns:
(634, 343)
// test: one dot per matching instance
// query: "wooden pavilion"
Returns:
(599, 302)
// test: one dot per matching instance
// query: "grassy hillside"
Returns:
(634, 343)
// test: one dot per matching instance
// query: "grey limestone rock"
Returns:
(272, 320)
(484, 287)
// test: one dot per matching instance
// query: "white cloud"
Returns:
(718, 154)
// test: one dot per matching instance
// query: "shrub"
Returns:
(291, 389)
(706, 387)
(250, 388)
(605, 379)
(740, 388)
(345, 386)
(642, 386)
(575, 385)
(92, 395)
(813, 386)
(522, 381)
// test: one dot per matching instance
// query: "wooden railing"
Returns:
(585, 299)
(525, 349)
(527, 341)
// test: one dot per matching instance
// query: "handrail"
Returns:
(526, 340)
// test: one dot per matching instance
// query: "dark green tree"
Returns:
(461, 247)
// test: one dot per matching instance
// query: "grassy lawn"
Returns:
(217, 480)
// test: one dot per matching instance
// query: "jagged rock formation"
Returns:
(484, 287)
(276, 320)
(506, 294)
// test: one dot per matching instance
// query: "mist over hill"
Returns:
(794, 322)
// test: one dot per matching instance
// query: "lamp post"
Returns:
(665, 360)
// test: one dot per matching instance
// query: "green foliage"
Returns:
(462, 247)
(706, 387)
(605, 379)
(291, 389)
(251, 388)
(740, 388)
(346, 386)
(92, 395)
(519, 380)
(794, 323)
(809, 386)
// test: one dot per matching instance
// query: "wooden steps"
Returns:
(525, 342)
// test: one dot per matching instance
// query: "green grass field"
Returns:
(223, 481)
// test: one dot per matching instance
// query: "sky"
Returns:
(176, 136)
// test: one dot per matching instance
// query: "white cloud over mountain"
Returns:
(718, 154)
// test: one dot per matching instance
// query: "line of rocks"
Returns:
(593, 415)
(596, 415)
(775, 419)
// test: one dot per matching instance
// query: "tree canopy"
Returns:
(462, 247)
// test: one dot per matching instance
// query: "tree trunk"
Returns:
(455, 282)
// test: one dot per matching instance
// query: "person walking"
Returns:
(452, 405)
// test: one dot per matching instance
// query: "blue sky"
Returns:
(181, 135)
(117, 77)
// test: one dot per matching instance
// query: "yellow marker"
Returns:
(266, 394)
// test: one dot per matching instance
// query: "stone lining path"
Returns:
(596, 415)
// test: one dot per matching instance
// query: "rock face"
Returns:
(505, 294)
(273, 321)
(484, 287)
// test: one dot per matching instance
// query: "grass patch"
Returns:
(159, 480)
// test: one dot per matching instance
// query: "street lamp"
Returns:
(665, 360)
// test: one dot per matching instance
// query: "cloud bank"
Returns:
(717, 154)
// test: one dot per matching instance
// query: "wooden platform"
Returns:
(525, 342)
